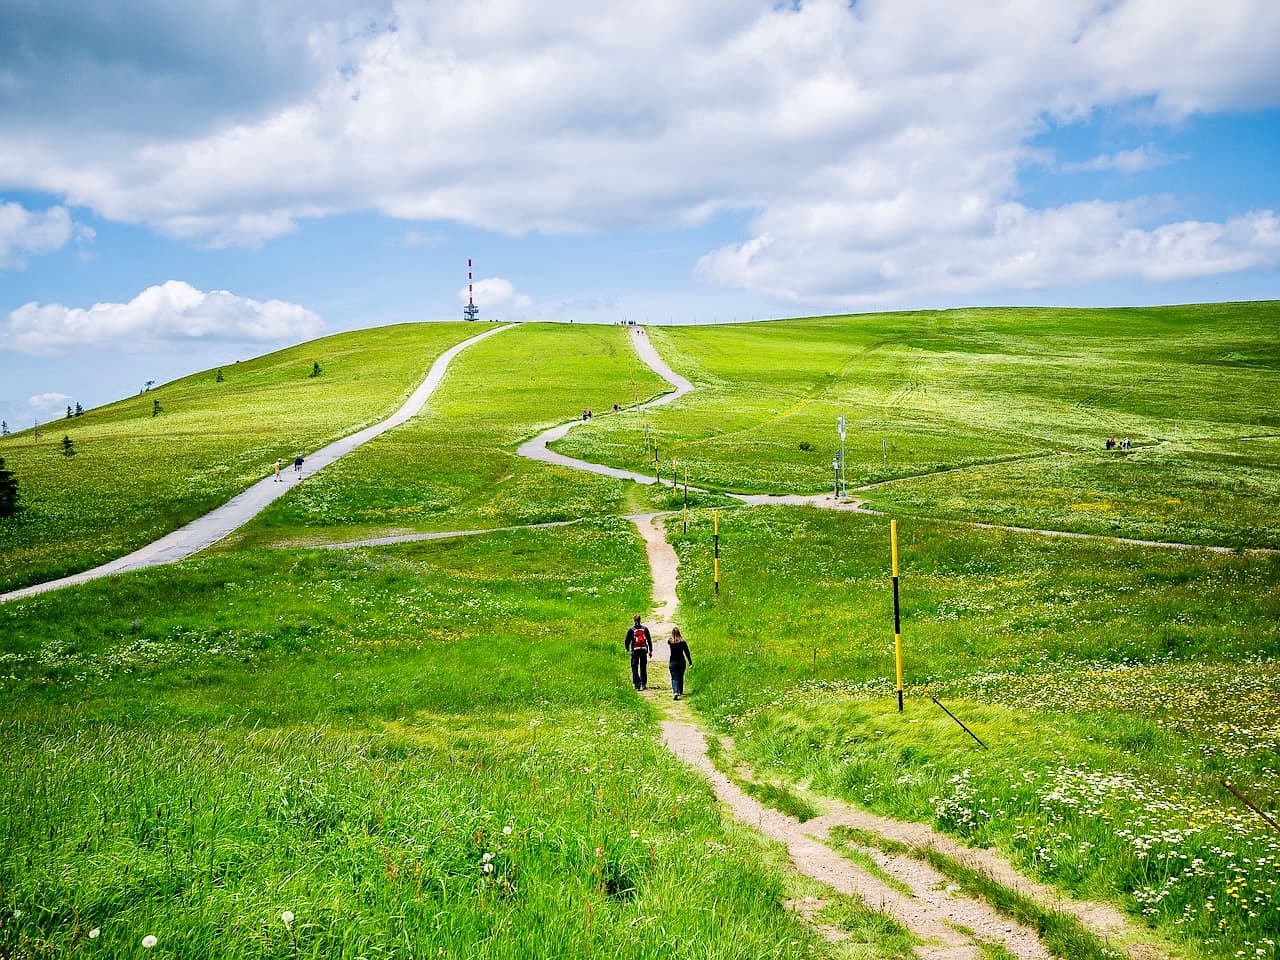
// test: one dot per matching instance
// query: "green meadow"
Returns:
(1030, 395)
(427, 750)
(135, 477)
(454, 466)
(432, 749)
(1116, 688)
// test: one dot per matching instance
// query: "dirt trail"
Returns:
(952, 925)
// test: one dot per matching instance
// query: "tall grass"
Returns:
(427, 750)
(1115, 686)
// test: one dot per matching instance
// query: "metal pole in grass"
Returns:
(835, 472)
(959, 721)
(1249, 803)
(844, 485)
(715, 540)
(897, 619)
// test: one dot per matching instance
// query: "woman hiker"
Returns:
(679, 657)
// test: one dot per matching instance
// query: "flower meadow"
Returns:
(1117, 689)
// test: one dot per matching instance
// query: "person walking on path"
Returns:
(680, 657)
(639, 643)
(277, 469)
(297, 465)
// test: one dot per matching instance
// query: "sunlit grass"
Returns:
(1116, 687)
(429, 750)
(135, 477)
(1038, 389)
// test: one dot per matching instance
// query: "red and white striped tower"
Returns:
(471, 312)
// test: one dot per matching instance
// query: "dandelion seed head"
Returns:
(149, 941)
(287, 917)
(93, 934)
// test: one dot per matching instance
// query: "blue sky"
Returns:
(251, 174)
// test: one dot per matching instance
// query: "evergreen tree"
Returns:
(315, 368)
(219, 378)
(68, 446)
(4, 428)
(79, 410)
(68, 413)
(155, 408)
(8, 491)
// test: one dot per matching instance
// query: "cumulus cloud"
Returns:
(26, 232)
(903, 122)
(173, 311)
(45, 402)
(494, 295)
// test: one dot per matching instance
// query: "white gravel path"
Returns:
(213, 526)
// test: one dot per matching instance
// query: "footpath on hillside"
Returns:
(240, 509)
(948, 924)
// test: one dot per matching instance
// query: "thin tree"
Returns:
(69, 414)
(155, 408)
(315, 368)
(8, 491)
(79, 410)
(219, 378)
(68, 446)
(4, 428)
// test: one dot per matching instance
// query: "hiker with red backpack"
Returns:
(639, 643)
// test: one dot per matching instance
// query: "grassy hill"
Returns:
(455, 466)
(135, 477)
(431, 749)
(1029, 395)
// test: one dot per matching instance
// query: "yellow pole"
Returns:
(715, 526)
(897, 621)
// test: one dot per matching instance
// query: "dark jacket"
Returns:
(680, 654)
(630, 642)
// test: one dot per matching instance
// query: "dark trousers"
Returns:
(677, 677)
(640, 667)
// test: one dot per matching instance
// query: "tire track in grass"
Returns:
(240, 509)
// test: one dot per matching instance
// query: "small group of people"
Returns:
(587, 414)
(639, 644)
(297, 467)
(1114, 444)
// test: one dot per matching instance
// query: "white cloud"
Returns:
(877, 145)
(26, 232)
(497, 297)
(173, 311)
(1122, 161)
(44, 402)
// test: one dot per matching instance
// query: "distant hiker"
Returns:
(616, 408)
(297, 465)
(639, 643)
(277, 469)
(1111, 443)
(584, 416)
(1126, 443)
(680, 657)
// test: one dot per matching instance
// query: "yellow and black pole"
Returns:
(897, 619)
(715, 540)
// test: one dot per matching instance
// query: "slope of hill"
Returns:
(135, 476)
